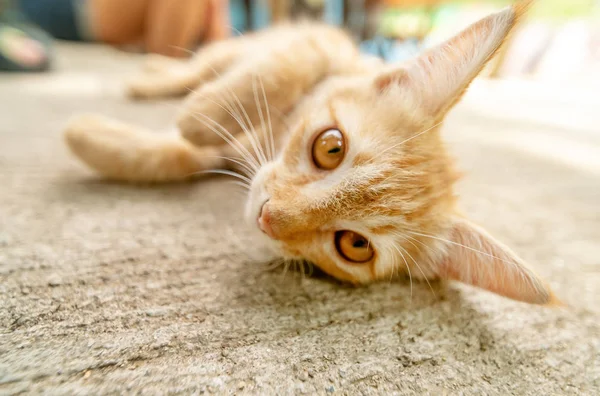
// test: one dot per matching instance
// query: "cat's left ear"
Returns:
(440, 76)
(476, 258)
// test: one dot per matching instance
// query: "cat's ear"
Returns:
(440, 75)
(476, 258)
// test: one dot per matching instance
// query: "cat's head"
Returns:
(363, 188)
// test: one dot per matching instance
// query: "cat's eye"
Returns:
(353, 246)
(328, 149)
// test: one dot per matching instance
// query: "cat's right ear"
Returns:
(439, 77)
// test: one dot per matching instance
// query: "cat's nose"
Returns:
(264, 221)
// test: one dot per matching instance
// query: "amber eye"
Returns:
(328, 149)
(353, 247)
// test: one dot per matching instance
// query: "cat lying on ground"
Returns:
(341, 156)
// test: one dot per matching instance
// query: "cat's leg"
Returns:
(281, 76)
(119, 151)
(235, 119)
(164, 77)
(234, 102)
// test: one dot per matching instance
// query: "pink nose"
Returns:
(264, 221)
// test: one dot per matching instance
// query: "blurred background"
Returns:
(559, 40)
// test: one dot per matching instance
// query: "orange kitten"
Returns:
(345, 167)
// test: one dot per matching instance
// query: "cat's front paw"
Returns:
(79, 129)
(123, 152)
(110, 147)
(92, 138)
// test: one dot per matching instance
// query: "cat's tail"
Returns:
(122, 152)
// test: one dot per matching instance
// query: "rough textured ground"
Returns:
(113, 289)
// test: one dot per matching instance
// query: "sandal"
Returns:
(23, 46)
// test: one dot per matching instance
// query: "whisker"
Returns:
(418, 266)
(268, 108)
(461, 245)
(225, 135)
(392, 275)
(262, 118)
(250, 131)
(234, 114)
(407, 238)
(230, 139)
(228, 173)
(281, 116)
(300, 269)
(186, 50)
(245, 166)
(416, 240)
(229, 110)
(246, 126)
(241, 184)
(270, 124)
(524, 273)
(406, 140)
(396, 271)
(238, 119)
(274, 264)
(235, 29)
(285, 268)
(408, 269)
(311, 268)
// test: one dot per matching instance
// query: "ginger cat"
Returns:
(341, 155)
